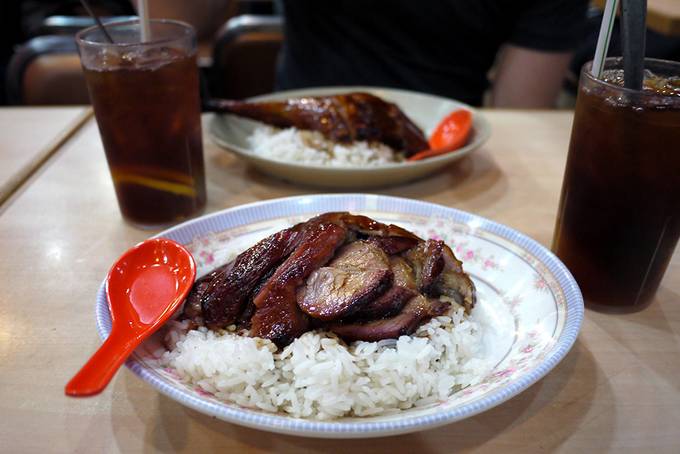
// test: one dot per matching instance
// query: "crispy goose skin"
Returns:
(277, 316)
(226, 294)
(417, 310)
(342, 118)
(359, 273)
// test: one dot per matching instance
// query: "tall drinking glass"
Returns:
(619, 216)
(147, 105)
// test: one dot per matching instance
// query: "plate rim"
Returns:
(481, 137)
(356, 429)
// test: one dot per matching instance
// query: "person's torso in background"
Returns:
(444, 47)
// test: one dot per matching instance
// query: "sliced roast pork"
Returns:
(438, 272)
(393, 244)
(277, 316)
(359, 273)
(350, 274)
(224, 297)
(365, 225)
(417, 310)
(391, 302)
(192, 305)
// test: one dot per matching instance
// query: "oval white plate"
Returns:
(231, 132)
(528, 300)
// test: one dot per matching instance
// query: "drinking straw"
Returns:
(143, 11)
(96, 19)
(603, 39)
(633, 19)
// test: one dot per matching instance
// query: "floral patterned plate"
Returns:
(528, 301)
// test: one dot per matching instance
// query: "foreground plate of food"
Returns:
(465, 354)
(295, 155)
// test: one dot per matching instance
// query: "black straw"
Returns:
(633, 32)
(96, 19)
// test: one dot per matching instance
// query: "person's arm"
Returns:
(527, 78)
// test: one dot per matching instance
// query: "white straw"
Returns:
(605, 35)
(143, 11)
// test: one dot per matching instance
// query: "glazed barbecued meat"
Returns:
(439, 272)
(417, 310)
(277, 316)
(393, 300)
(349, 274)
(224, 295)
(359, 274)
(342, 118)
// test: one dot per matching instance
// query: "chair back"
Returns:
(245, 55)
(46, 71)
(70, 25)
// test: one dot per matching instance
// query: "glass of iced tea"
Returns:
(147, 105)
(619, 216)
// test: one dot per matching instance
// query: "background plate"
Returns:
(231, 132)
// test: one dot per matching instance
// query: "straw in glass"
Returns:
(633, 18)
(143, 12)
(96, 19)
(603, 39)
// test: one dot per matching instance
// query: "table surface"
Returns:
(663, 16)
(617, 390)
(27, 135)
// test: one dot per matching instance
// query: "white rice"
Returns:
(318, 377)
(310, 147)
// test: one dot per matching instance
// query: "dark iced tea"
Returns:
(619, 216)
(146, 101)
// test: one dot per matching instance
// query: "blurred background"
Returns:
(241, 42)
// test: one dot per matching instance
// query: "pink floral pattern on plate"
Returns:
(482, 254)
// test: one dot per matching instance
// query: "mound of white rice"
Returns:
(310, 147)
(318, 377)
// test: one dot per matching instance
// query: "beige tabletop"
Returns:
(30, 136)
(663, 16)
(618, 390)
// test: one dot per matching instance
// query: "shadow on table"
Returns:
(648, 328)
(474, 177)
(542, 417)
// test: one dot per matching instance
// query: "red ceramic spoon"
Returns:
(449, 135)
(144, 288)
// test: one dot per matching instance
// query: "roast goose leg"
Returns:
(341, 118)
